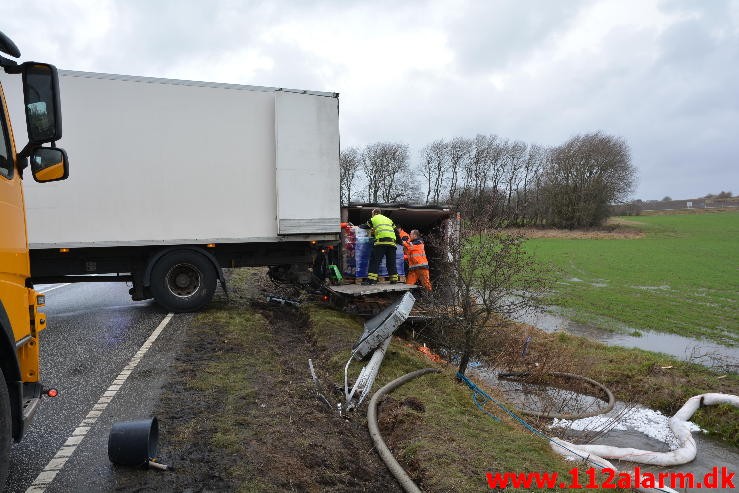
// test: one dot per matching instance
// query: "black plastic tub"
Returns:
(133, 443)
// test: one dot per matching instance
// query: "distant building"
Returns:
(703, 203)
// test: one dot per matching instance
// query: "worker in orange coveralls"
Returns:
(418, 264)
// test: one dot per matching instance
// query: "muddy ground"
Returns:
(240, 411)
(614, 229)
(263, 429)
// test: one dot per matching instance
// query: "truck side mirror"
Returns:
(43, 107)
(49, 164)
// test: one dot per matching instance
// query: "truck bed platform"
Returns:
(362, 290)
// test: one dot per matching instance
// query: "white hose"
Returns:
(685, 452)
(572, 451)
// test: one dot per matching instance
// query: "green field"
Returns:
(681, 277)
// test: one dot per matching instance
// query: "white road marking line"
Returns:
(46, 290)
(46, 477)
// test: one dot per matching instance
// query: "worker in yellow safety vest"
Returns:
(383, 231)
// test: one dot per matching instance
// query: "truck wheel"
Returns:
(183, 281)
(6, 430)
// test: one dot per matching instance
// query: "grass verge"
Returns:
(449, 445)
(241, 412)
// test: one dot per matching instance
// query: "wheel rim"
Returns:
(183, 280)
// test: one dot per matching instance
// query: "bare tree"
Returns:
(372, 159)
(397, 176)
(515, 161)
(572, 185)
(527, 196)
(459, 152)
(498, 152)
(477, 165)
(587, 174)
(349, 164)
(483, 171)
(434, 167)
(386, 168)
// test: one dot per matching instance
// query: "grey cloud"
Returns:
(487, 36)
(672, 96)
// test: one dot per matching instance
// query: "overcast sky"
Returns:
(664, 75)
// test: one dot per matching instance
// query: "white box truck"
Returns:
(172, 180)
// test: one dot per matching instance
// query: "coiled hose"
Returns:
(606, 391)
(387, 457)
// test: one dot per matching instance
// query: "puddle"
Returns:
(710, 454)
(703, 352)
(624, 426)
(543, 398)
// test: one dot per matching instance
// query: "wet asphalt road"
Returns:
(93, 331)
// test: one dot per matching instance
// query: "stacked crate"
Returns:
(356, 248)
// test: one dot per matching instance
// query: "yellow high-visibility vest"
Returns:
(384, 230)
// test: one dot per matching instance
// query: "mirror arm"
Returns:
(26, 151)
(10, 66)
(22, 164)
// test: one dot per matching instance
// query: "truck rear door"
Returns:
(307, 162)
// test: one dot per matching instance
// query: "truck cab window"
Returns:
(6, 164)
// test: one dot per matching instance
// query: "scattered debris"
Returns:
(430, 354)
(280, 300)
(317, 383)
(383, 325)
(377, 334)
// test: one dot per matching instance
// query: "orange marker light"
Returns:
(52, 392)
(64, 250)
(211, 245)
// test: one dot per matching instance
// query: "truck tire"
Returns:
(6, 430)
(183, 281)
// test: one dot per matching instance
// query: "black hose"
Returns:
(387, 457)
(606, 390)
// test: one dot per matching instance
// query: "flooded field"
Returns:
(678, 278)
(704, 352)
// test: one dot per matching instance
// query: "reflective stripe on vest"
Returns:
(384, 230)
(416, 255)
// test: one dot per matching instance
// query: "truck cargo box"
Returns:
(166, 162)
(173, 180)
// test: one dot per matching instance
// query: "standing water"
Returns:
(626, 425)
(699, 351)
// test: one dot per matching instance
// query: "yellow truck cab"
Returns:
(20, 318)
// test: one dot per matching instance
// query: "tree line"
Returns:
(510, 182)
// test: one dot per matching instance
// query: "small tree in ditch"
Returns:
(484, 278)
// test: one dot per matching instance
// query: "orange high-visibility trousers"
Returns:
(419, 274)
